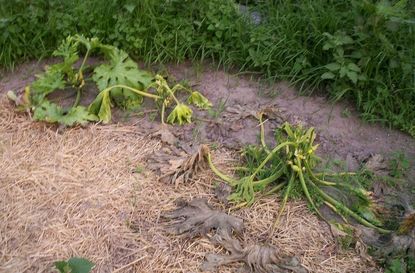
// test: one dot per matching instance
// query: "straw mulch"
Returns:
(86, 192)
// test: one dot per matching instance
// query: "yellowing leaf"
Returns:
(196, 98)
(181, 114)
(101, 107)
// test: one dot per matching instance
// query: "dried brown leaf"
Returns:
(165, 135)
(257, 258)
(197, 218)
(183, 170)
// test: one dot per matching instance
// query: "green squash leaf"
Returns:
(121, 70)
(89, 43)
(45, 84)
(51, 112)
(68, 50)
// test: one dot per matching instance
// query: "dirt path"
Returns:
(89, 192)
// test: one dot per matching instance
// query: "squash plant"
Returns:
(290, 167)
(119, 80)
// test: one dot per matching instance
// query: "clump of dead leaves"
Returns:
(197, 218)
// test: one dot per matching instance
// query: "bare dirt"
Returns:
(90, 191)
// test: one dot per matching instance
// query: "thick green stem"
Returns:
(222, 176)
(269, 156)
(284, 200)
(336, 174)
(142, 93)
(163, 108)
(264, 182)
(333, 208)
(78, 97)
(81, 78)
(276, 188)
(316, 179)
(84, 61)
(347, 211)
(262, 136)
(304, 186)
(172, 93)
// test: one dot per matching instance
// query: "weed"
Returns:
(74, 265)
(139, 169)
(216, 111)
(346, 113)
(398, 165)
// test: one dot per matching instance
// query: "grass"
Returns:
(361, 51)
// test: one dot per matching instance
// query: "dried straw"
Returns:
(82, 192)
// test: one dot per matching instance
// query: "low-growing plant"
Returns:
(291, 167)
(119, 80)
(398, 165)
(74, 265)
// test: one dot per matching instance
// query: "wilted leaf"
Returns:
(197, 218)
(101, 107)
(196, 98)
(188, 167)
(181, 114)
(22, 101)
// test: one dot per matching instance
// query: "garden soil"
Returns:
(93, 192)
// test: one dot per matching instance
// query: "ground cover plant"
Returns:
(357, 50)
(119, 82)
(74, 265)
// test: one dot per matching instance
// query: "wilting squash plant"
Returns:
(290, 166)
(119, 80)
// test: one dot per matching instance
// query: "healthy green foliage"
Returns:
(74, 265)
(119, 81)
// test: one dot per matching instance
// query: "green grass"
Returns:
(362, 51)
